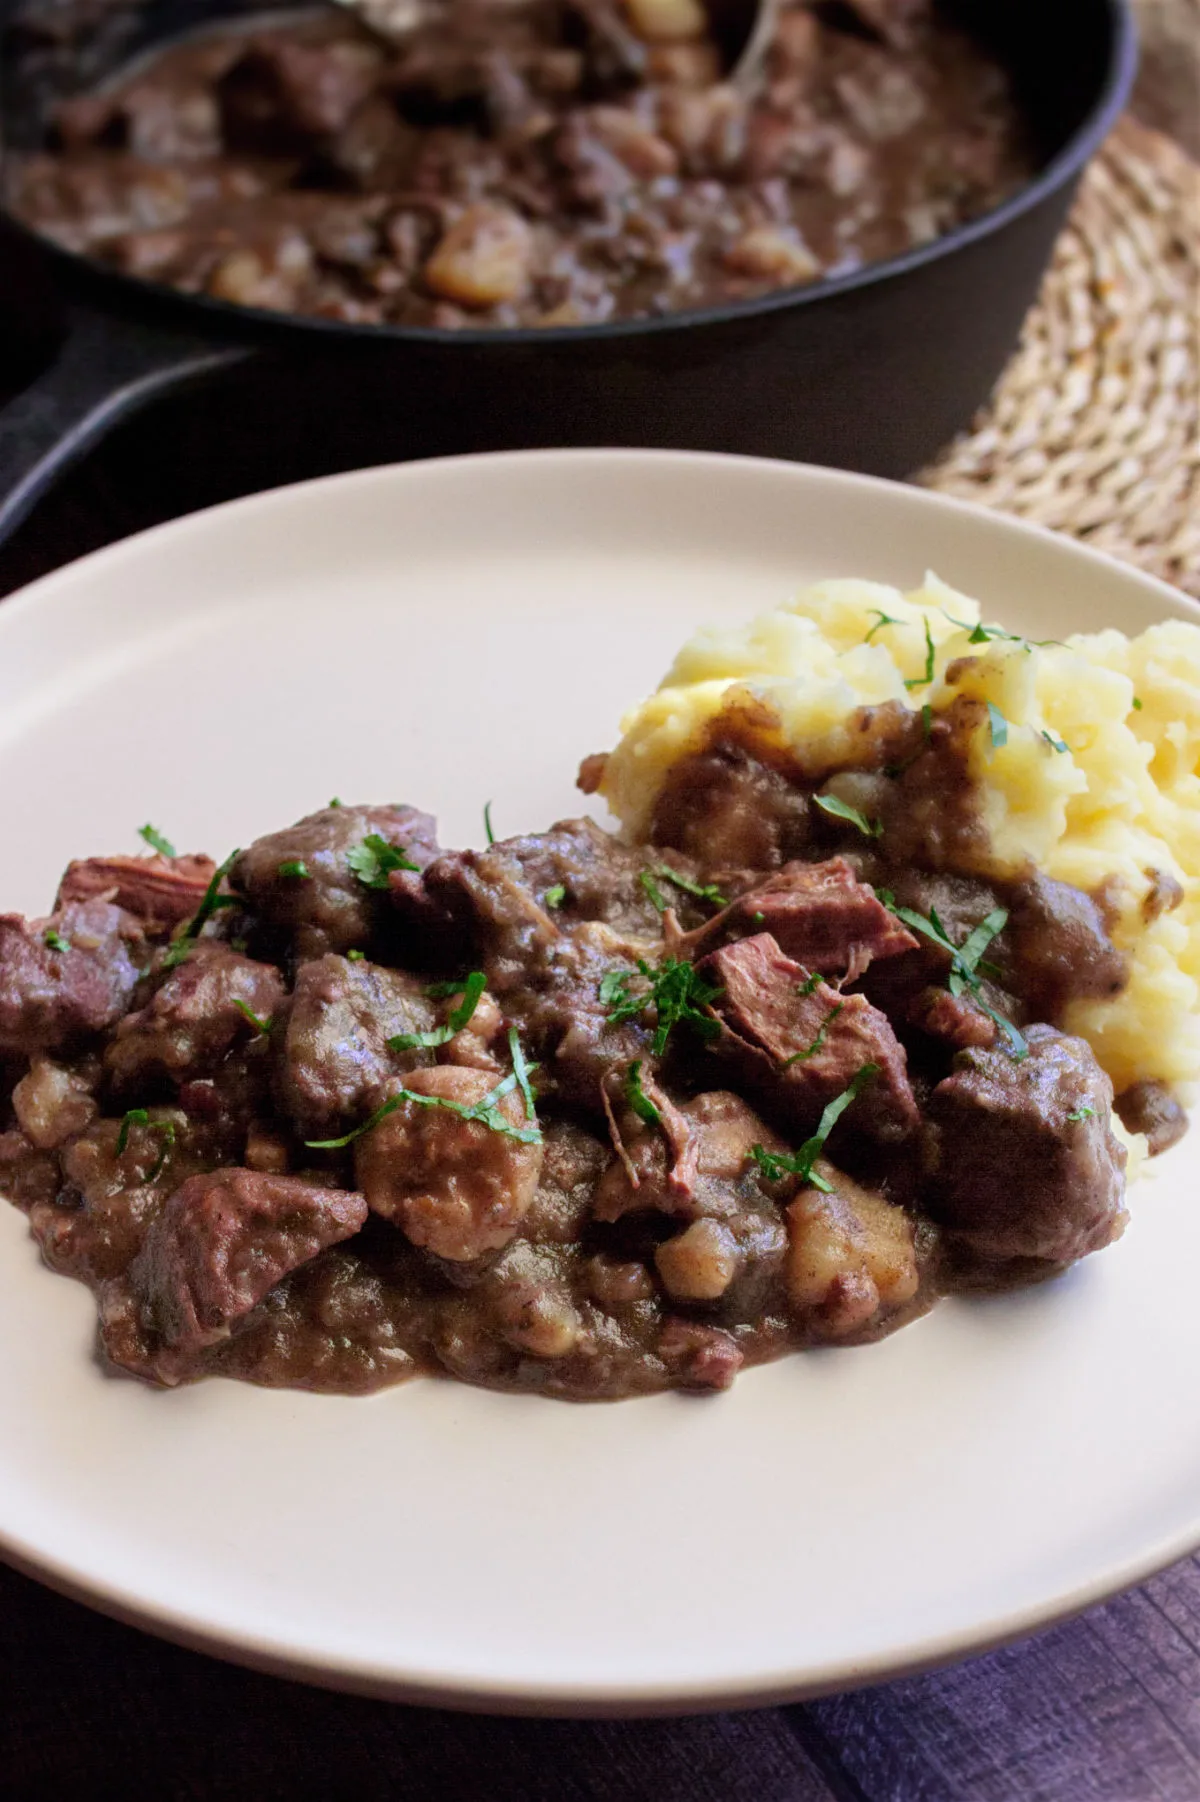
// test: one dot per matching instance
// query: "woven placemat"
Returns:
(1095, 427)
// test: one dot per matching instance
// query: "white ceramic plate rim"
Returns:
(263, 1651)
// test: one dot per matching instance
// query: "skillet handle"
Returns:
(107, 368)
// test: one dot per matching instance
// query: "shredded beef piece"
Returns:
(52, 999)
(223, 1240)
(799, 1050)
(192, 1020)
(698, 1356)
(161, 892)
(1021, 1161)
(954, 1019)
(335, 1065)
(330, 908)
(818, 913)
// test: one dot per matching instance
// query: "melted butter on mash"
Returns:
(1086, 763)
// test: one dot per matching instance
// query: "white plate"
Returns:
(449, 633)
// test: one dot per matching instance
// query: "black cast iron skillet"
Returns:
(873, 371)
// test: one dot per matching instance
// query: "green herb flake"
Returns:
(927, 721)
(882, 619)
(487, 822)
(810, 1051)
(997, 726)
(295, 870)
(484, 1113)
(677, 994)
(54, 941)
(655, 893)
(554, 897)
(211, 901)
(335, 801)
(776, 1165)
(1081, 1113)
(247, 1012)
(1137, 705)
(373, 860)
(437, 991)
(637, 1097)
(356, 957)
(810, 987)
(841, 810)
(930, 661)
(156, 841)
(757, 919)
(964, 960)
(470, 990)
(1056, 744)
(522, 1069)
(701, 891)
(138, 1116)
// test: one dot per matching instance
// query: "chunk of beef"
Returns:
(722, 1181)
(818, 913)
(799, 1046)
(1060, 949)
(335, 1064)
(955, 1020)
(699, 1356)
(51, 998)
(1150, 1108)
(478, 905)
(223, 1240)
(450, 1184)
(193, 1020)
(729, 811)
(280, 96)
(330, 908)
(1021, 1160)
(161, 892)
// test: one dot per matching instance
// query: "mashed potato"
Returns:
(1087, 768)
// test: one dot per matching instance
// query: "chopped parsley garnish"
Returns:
(295, 869)
(247, 1012)
(964, 959)
(997, 726)
(1056, 744)
(637, 1097)
(677, 994)
(841, 810)
(1081, 1113)
(707, 891)
(927, 720)
(522, 1069)
(655, 893)
(471, 990)
(137, 1116)
(487, 822)
(356, 957)
(54, 941)
(372, 861)
(757, 919)
(554, 897)
(335, 801)
(1137, 705)
(982, 634)
(439, 990)
(930, 662)
(486, 1112)
(156, 841)
(809, 987)
(211, 901)
(802, 1057)
(882, 619)
(775, 1165)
